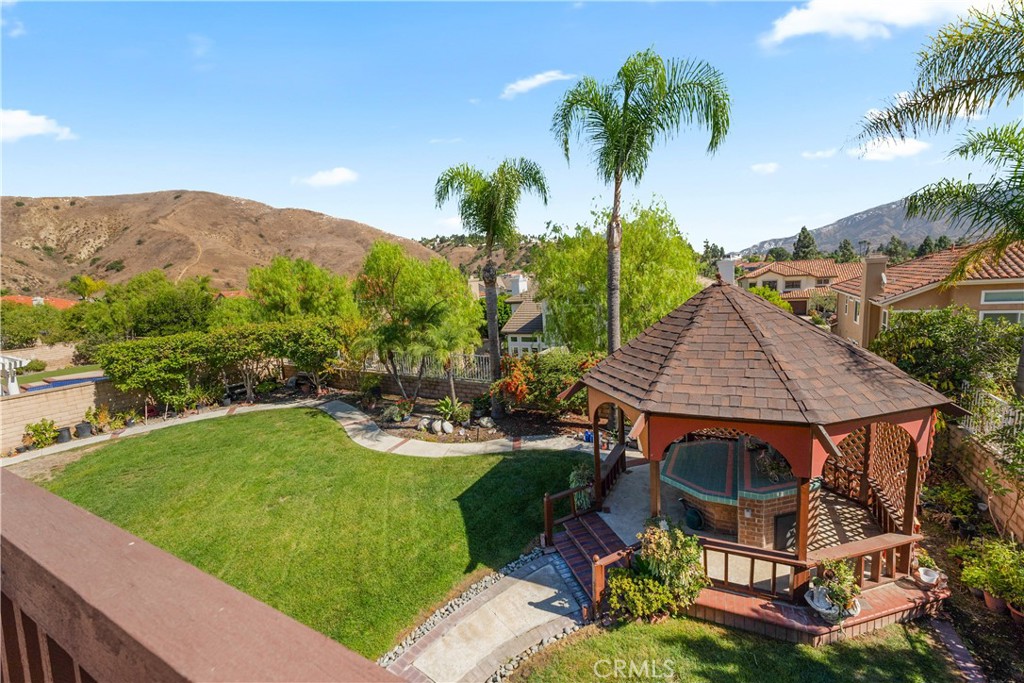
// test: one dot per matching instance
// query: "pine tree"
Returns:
(943, 243)
(804, 247)
(845, 252)
(927, 247)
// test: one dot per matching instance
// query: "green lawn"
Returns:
(284, 506)
(698, 651)
(74, 370)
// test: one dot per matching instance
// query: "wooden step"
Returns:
(582, 539)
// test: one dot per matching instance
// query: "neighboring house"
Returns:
(524, 331)
(60, 304)
(477, 288)
(514, 283)
(798, 281)
(865, 304)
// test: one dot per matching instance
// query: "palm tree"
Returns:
(488, 205)
(974, 64)
(650, 100)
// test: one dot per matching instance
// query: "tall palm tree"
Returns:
(974, 64)
(649, 101)
(488, 205)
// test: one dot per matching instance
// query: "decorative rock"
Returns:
(423, 425)
(447, 427)
(436, 426)
(462, 432)
(486, 422)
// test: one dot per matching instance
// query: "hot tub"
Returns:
(736, 497)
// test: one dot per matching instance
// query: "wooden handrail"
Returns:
(549, 510)
(865, 546)
(763, 554)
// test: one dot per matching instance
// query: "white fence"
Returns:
(989, 413)
(466, 366)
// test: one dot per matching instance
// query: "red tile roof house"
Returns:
(798, 281)
(709, 392)
(60, 304)
(865, 303)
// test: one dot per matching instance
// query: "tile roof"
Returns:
(805, 293)
(527, 318)
(729, 354)
(822, 267)
(60, 304)
(933, 268)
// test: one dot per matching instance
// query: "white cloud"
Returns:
(887, 149)
(474, 100)
(820, 154)
(863, 19)
(16, 124)
(525, 85)
(444, 141)
(335, 176)
(452, 222)
(766, 168)
(199, 45)
(16, 29)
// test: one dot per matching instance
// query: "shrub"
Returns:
(773, 297)
(452, 411)
(632, 596)
(392, 414)
(34, 365)
(266, 386)
(41, 434)
(996, 570)
(674, 559)
(535, 381)
(581, 475)
(19, 203)
(482, 403)
(116, 266)
(952, 496)
(99, 418)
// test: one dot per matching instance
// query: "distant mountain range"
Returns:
(46, 240)
(875, 225)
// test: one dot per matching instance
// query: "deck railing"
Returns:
(550, 522)
(876, 555)
(613, 466)
(83, 601)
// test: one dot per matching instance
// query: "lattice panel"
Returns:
(843, 475)
(890, 454)
(717, 433)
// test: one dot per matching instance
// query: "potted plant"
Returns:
(993, 572)
(1015, 595)
(927, 573)
(40, 434)
(481, 406)
(835, 590)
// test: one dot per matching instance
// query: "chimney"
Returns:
(727, 271)
(874, 276)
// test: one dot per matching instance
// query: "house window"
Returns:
(1008, 316)
(770, 284)
(821, 282)
(792, 284)
(885, 319)
(856, 311)
(846, 305)
(1003, 296)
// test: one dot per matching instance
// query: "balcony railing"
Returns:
(84, 601)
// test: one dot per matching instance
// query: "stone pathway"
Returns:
(365, 432)
(969, 669)
(536, 604)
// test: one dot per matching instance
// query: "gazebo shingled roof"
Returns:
(729, 354)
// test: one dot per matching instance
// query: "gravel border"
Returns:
(455, 604)
(505, 670)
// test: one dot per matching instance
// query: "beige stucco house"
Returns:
(798, 281)
(524, 331)
(865, 304)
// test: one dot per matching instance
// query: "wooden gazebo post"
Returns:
(801, 577)
(598, 493)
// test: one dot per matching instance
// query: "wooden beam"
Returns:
(910, 506)
(598, 493)
(620, 427)
(571, 391)
(655, 488)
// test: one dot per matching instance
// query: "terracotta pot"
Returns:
(1017, 615)
(978, 593)
(994, 604)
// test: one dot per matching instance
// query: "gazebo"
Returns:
(713, 387)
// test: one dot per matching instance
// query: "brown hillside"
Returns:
(46, 240)
(468, 254)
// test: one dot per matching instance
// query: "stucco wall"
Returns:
(971, 459)
(64, 405)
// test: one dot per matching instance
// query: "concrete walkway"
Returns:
(365, 432)
(533, 604)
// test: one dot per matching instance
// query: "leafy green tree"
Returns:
(709, 259)
(926, 247)
(649, 101)
(236, 311)
(805, 247)
(659, 272)
(289, 288)
(488, 205)
(315, 345)
(845, 252)
(457, 330)
(249, 352)
(84, 286)
(942, 243)
(823, 302)
(773, 297)
(949, 348)
(778, 254)
(23, 325)
(896, 249)
(972, 65)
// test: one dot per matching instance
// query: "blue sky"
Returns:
(354, 109)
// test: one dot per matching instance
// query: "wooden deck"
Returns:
(583, 538)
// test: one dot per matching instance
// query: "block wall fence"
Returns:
(432, 387)
(970, 459)
(56, 357)
(64, 405)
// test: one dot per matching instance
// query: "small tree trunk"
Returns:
(490, 274)
(419, 383)
(1018, 383)
(392, 366)
(451, 384)
(614, 238)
